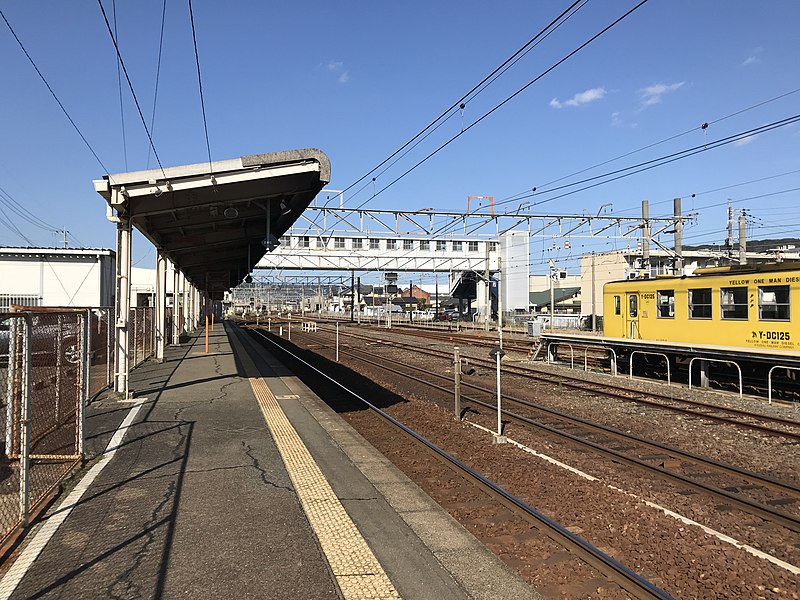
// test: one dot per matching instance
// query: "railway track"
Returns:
(742, 488)
(633, 583)
(511, 341)
(790, 429)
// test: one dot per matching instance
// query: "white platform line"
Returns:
(713, 532)
(51, 524)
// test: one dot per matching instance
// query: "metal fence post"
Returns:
(457, 378)
(110, 348)
(10, 387)
(25, 401)
(87, 350)
(84, 384)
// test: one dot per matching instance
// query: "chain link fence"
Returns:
(141, 335)
(101, 349)
(43, 378)
(51, 362)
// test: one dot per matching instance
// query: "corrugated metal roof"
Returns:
(559, 295)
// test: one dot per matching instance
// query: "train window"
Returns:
(773, 302)
(733, 303)
(700, 303)
(633, 302)
(617, 307)
(665, 300)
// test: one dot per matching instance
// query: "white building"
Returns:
(601, 268)
(57, 277)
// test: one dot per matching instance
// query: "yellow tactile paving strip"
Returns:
(357, 571)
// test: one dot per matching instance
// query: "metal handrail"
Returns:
(715, 360)
(666, 358)
(769, 378)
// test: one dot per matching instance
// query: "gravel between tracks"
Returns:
(680, 558)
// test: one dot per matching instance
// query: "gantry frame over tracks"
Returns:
(213, 221)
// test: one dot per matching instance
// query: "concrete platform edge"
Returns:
(481, 574)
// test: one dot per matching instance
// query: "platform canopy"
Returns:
(216, 220)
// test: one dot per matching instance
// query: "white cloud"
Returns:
(754, 57)
(653, 94)
(580, 98)
(618, 120)
(744, 141)
(337, 67)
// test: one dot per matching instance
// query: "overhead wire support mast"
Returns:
(386, 222)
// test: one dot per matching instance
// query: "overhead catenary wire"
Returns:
(449, 112)
(485, 82)
(55, 97)
(158, 74)
(200, 87)
(21, 211)
(119, 86)
(508, 99)
(693, 195)
(702, 127)
(130, 85)
(663, 160)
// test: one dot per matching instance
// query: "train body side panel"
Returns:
(678, 326)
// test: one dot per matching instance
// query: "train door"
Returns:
(632, 318)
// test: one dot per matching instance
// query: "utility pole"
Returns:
(646, 236)
(487, 309)
(594, 311)
(358, 298)
(352, 294)
(676, 203)
(729, 239)
(552, 295)
(65, 238)
(742, 238)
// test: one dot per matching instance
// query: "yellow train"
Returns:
(755, 307)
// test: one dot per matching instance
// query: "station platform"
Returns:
(226, 477)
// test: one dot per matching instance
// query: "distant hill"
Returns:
(752, 245)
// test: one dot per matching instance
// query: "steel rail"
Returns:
(608, 389)
(630, 581)
(752, 507)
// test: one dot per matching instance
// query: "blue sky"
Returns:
(358, 79)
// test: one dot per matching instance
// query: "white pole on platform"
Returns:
(123, 304)
(499, 407)
(161, 299)
(337, 341)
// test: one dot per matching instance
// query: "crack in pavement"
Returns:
(122, 586)
(248, 450)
